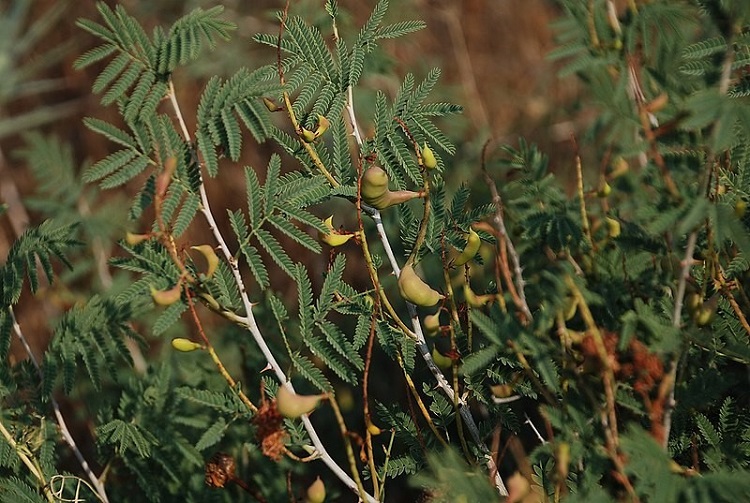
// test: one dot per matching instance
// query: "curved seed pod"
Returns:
(306, 134)
(185, 345)
(333, 238)
(323, 125)
(271, 105)
(416, 291)
(704, 316)
(209, 254)
(431, 324)
(135, 239)
(373, 430)
(473, 242)
(475, 300)
(443, 362)
(501, 390)
(166, 297)
(291, 405)
(316, 493)
(428, 157)
(374, 183)
(375, 190)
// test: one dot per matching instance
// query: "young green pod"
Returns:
(740, 207)
(416, 291)
(443, 362)
(431, 324)
(307, 135)
(323, 125)
(613, 227)
(473, 242)
(604, 190)
(166, 297)
(316, 493)
(212, 260)
(428, 157)
(372, 429)
(185, 345)
(135, 239)
(271, 105)
(291, 405)
(475, 300)
(375, 190)
(333, 238)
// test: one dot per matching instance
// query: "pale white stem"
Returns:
(249, 318)
(533, 427)
(97, 484)
(424, 350)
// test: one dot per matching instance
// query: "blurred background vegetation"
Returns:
(493, 56)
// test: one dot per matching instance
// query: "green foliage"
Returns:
(587, 309)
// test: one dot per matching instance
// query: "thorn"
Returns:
(266, 368)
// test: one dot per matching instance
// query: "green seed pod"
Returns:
(135, 239)
(443, 362)
(431, 324)
(740, 207)
(166, 297)
(185, 345)
(291, 405)
(613, 227)
(473, 242)
(316, 493)
(307, 135)
(323, 125)
(428, 158)
(416, 291)
(333, 238)
(209, 254)
(375, 190)
(604, 190)
(271, 105)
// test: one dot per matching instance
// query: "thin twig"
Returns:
(499, 223)
(421, 343)
(100, 492)
(249, 321)
(688, 261)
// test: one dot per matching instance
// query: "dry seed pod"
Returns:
(209, 254)
(333, 238)
(291, 405)
(185, 345)
(428, 157)
(416, 291)
(166, 297)
(316, 493)
(473, 242)
(375, 190)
